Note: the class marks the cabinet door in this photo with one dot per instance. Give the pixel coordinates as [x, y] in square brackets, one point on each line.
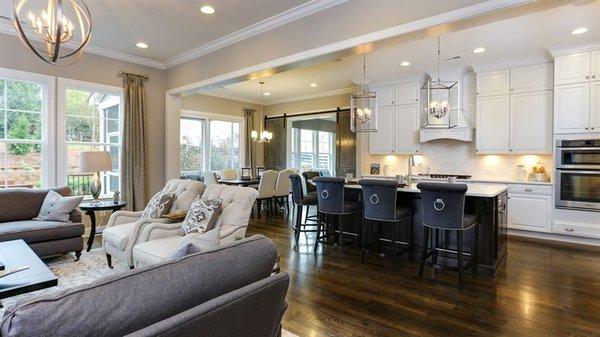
[571, 108]
[595, 66]
[407, 128]
[382, 141]
[407, 93]
[595, 106]
[492, 134]
[533, 78]
[385, 95]
[493, 83]
[531, 122]
[572, 68]
[530, 212]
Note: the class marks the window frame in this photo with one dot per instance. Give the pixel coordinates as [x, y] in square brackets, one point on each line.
[208, 117]
[48, 120]
[61, 154]
[294, 144]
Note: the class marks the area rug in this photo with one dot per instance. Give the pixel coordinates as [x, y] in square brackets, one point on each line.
[90, 267]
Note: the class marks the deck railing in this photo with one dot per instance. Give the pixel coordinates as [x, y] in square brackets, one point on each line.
[80, 184]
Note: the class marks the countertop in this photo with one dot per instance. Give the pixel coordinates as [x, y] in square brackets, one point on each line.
[467, 181]
[475, 189]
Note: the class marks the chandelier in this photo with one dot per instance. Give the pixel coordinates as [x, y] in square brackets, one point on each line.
[363, 106]
[47, 31]
[265, 136]
[441, 96]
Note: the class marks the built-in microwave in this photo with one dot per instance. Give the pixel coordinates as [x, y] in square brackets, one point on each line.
[577, 180]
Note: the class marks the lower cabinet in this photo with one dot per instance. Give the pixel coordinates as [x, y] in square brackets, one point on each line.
[530, 212]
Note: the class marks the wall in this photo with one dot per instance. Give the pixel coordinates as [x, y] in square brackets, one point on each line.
[98, 69]
[223, 106]
[314, 104]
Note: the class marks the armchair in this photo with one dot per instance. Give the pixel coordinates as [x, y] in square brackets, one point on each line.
[157, 241]
[124, 227]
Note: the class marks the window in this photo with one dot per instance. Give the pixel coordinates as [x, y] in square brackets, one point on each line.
[92, 117]
[209, 142]
[312, 150]
[23, 135]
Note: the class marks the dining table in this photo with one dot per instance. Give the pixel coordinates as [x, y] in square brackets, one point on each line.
[240, 182]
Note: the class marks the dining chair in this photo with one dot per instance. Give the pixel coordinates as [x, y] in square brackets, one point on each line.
[379, 207]
[283, 187]
[331, 202]
[266, 190]
[443, 208]
[229, 174]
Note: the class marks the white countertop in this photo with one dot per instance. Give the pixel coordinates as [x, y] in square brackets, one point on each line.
[467, 181]
[475, 189]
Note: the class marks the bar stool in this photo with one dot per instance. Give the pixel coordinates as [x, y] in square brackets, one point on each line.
[443, 210]
[300, 200]
[330, 197]
[379, 205]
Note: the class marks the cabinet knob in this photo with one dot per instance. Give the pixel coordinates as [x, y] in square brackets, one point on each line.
[528, 189]
[569, 229]
[593, 76]
[586, 128]
[587, 77]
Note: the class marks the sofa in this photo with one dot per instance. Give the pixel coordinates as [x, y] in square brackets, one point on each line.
[157, 241]
[124, 227]
[228, 291]
[46, 238]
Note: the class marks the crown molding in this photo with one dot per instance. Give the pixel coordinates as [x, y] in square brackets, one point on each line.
[559, 50]
[273, 22]
[511, 63]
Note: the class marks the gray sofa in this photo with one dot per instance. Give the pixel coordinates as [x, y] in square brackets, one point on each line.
[18, 206]
[228, 291]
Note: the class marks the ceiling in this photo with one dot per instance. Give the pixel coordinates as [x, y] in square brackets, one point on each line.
[523, 37]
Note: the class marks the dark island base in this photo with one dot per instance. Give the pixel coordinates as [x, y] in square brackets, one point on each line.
[491, 229]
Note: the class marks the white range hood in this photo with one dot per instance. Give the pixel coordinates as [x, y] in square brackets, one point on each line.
[464, 134]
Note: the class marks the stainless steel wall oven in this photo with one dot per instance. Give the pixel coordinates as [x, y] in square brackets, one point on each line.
[577, 180]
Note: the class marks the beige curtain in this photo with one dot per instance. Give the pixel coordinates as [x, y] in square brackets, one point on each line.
[250, 155]
[133, 153]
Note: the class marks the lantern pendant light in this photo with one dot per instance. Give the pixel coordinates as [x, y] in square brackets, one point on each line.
[264, 136]
[363, 107]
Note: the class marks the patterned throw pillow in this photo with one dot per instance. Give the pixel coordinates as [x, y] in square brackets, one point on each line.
[202, 216]
[159, 205]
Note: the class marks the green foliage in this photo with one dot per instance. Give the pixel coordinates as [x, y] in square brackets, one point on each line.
[190, 156]
[20, 130]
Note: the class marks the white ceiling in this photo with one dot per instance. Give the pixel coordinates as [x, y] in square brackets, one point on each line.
[526, 36]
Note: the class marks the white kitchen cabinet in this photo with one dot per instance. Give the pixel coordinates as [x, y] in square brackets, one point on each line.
[532, 78]
[492, 134]
[407, 128]
[595, 65]
[572, 68]
[385, 95]
[571, 108]
[382, 141]
[493, 83]
[595, 106]
[531, 128]
[530, 212]
[406, 93]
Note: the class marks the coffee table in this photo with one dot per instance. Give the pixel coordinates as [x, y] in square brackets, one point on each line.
[17, 253]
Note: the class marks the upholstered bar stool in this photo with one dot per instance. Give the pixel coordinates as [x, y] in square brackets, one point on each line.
[330, 197]
[379, 206]
[301, 200]
[310, 187]
[443, 210]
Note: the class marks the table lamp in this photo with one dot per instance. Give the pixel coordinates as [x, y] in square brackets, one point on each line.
[95, 162]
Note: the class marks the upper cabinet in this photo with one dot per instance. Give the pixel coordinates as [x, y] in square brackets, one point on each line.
[571, 108]
[493, 83]
[572, 68]
[406, 93]
[382, 141]
[385, 95]
[531, 78]
[531, 129]
[492, 124]
[407, 123]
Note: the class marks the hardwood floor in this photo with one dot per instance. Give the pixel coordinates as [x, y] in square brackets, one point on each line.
[543, 290]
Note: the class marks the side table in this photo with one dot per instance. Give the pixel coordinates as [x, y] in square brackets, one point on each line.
[90, 209]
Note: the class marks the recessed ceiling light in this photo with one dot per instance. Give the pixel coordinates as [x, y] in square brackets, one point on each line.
[478, 50]
[405, 63]
[206, 9]
[579, 30]
[267, 94]
[313, 85]
[142, 45]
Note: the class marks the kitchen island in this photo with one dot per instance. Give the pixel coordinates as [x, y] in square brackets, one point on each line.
[487, 201]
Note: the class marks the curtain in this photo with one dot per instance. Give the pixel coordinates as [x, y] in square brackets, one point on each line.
[250, 155]
[133, 152]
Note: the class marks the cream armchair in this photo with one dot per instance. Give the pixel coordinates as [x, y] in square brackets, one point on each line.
[157, 241]
[124, 227]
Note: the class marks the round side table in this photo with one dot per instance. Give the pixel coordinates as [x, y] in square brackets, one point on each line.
[90, 209]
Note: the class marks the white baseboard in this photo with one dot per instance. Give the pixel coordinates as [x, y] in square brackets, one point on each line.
[554, 237]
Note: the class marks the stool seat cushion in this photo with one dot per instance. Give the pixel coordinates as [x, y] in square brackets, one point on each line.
[352, 207]
[402, 212]
[469, 220]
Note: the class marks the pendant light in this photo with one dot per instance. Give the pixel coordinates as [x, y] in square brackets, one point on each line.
[363, 107]
[265, 136]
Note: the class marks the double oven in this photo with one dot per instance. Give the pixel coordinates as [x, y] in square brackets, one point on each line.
[577, 180]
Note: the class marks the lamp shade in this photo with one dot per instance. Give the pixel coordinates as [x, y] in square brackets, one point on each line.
[94, 161]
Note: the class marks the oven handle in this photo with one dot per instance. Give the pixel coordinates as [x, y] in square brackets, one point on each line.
[563, 149]
[577, 171]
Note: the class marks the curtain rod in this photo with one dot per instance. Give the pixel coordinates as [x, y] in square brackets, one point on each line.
[123, 72]
[307, 113]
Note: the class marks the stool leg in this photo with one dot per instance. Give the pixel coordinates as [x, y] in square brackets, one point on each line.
[363, 239]
[341, 228]
[435, 237]
[424, 249]
[298, 224]
[319, 225]
[459, 250]
[306, 215]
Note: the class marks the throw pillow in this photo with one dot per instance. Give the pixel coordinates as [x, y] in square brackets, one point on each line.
[57, 208]
[159, 205]
[202, 216]
[196, 243]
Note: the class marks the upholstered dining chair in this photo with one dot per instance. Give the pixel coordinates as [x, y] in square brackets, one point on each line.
[283, 187]
[266, 190]
[229, 174]
[124, 227]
